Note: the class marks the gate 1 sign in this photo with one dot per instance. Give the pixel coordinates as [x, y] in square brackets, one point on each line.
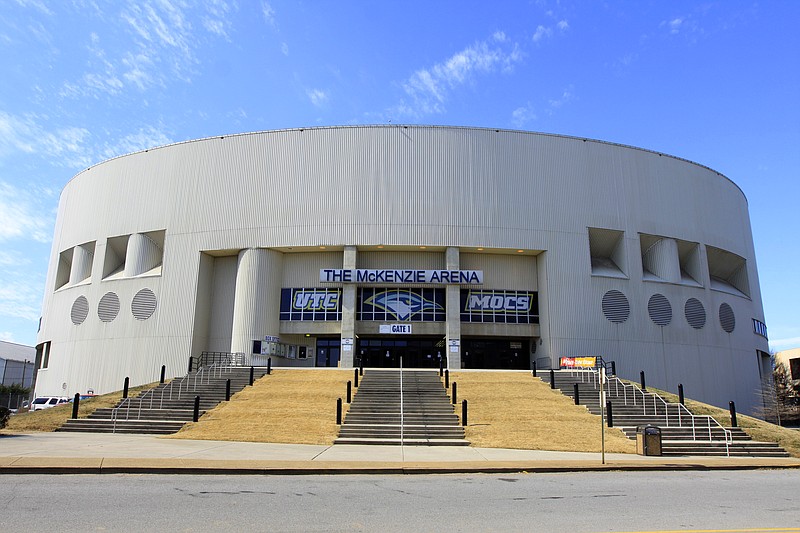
[401, 329]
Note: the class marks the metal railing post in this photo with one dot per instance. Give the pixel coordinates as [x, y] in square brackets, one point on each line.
[196, 413]
[76, 402]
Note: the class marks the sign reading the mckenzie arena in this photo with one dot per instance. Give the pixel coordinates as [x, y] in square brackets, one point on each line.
[363, 275]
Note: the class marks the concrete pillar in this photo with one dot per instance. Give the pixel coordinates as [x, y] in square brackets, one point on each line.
[258, 289]
[346, 357]
[143, 254]
[81, 268]
[453, 303]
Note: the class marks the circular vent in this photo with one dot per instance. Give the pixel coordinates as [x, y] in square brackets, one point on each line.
[108, 308]
[80, 310]
[144, 304]
[695, 313]
[726, 318]
[659, 309]
[616, 307]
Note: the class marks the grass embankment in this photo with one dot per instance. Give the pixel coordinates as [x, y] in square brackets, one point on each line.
[515, 410]
[54, 417]
[759, 430]
[290, 406]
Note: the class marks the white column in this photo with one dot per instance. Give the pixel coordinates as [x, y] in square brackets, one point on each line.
[143, 254]
[453, 303]
[256, 307]
[81, 264]
[346, 358]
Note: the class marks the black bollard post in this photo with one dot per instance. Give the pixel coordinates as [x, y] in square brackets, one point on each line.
[227, 390]
[355, 377]
[441, 367]
[680, 393]
[641, 380]
[552, 379]
[613, 368]
[577, 394]
[609, 414]
[455, 392]
[338, 411]
[269, 366]
[191, 364]
[125, 387]
[361, 367]
[733, 414]
[252, 372]
[447, 378]
[533, 368]
[196, 414]
[464, 413]
[163, 373]
[75, 404]
[349, 391]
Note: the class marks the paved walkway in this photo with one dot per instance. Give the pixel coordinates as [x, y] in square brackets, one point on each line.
[103, 453]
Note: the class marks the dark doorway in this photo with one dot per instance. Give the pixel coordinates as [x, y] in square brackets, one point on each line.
[328, 351]
[417, 352]
[511, 354]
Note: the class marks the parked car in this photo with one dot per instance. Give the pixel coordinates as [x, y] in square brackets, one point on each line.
[43, 402]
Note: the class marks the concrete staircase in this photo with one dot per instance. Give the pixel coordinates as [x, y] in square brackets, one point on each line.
[166, 408]
[678, 435]
[428, 416]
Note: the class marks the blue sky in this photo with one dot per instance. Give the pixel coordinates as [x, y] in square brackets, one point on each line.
[714, 82]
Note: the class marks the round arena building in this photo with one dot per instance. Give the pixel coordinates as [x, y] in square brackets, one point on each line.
[341, 246]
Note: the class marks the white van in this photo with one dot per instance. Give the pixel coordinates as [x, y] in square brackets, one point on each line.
[43, 402]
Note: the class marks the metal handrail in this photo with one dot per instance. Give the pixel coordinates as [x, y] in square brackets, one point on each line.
[185, 384]
[680, 411]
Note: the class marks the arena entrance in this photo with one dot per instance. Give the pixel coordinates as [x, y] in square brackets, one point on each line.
[509, 354]
[385, 352]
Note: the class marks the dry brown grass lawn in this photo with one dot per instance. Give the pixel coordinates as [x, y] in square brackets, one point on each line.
[290, 406]
[54, 417]
[516, 410]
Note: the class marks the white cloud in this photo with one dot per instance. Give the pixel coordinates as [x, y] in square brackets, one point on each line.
[429, 88]
[317, 97]
[24, 214]
[36, 4]
[146, 138]
[285, 49]
[20, 296]
[674, 25]
[541, 33]
[784, 344]
[566, 96]
[523, 115]
[7, 336]
[66, 146]
[563, 25]
[268, 12]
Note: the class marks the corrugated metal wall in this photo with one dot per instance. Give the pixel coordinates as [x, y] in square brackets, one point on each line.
[403, 187]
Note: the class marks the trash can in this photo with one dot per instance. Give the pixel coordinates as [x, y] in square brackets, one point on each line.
[648, 440]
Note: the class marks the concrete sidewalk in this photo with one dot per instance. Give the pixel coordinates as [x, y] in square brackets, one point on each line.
[92, 453]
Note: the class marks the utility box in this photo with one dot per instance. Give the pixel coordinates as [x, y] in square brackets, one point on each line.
[648, 440]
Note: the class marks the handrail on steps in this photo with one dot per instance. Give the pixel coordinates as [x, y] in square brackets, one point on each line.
[592, 375]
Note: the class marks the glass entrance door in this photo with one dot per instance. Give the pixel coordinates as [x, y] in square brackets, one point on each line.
[385, 352]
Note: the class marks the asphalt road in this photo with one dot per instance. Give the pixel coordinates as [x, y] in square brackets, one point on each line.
[582, 502]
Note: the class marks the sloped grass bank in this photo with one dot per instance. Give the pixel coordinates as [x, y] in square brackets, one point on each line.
[515, 410]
